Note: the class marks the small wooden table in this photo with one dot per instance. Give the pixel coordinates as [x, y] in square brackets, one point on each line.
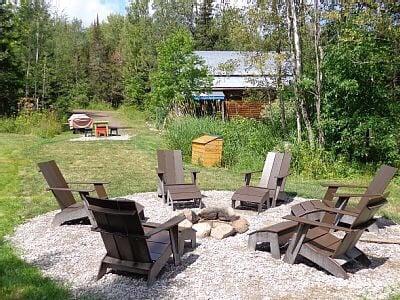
[100, 128]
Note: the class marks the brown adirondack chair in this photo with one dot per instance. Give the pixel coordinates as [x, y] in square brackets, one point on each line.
[376, 187]
[71, 210]
[171, 182]
[314, 241]
[130, 245]
[271, 186]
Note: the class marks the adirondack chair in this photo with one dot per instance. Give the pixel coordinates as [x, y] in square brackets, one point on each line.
[376, 187]
[171, 182]
[130, 245]
[271, 186]
[70, 209]
[314, 241]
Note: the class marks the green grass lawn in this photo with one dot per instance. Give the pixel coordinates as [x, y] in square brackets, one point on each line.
[128, 165]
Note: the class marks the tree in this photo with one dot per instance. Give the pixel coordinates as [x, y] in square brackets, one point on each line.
[138, 53]
[294, 9]
[10, 71]
[205, 33]
[361, 86]
[179, 74]
[99, 74]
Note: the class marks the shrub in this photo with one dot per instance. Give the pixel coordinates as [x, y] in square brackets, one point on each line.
[44, 124]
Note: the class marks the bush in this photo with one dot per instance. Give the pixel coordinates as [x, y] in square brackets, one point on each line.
[44, 124]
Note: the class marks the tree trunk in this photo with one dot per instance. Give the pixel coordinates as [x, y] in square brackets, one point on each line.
[298, 74]
[36, 65]
[44, 81]
[279, 68]
[289, 21]
[318, 74]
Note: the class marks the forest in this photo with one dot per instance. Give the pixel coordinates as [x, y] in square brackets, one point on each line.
[345, 55]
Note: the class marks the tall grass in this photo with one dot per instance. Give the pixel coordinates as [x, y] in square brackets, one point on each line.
[44, 124]
[246, 143]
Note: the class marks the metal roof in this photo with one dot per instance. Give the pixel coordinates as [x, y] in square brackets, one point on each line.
[242, 70]
[244, 63]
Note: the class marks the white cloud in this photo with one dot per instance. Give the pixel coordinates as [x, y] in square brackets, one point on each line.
[86, 10]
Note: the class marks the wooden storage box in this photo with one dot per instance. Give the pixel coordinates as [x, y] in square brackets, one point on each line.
[207, 151]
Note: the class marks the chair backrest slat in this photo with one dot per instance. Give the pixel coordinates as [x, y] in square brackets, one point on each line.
[276, 163]
[380, 181]
[368, 210]
[121, 229]
[285, 167]
[55, 179]
[266, 174]
[170, 162]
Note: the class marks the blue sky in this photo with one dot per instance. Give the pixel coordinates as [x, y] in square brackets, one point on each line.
[86, 10]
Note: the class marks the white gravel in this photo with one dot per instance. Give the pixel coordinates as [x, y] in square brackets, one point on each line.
[103, 138]
[214, 270]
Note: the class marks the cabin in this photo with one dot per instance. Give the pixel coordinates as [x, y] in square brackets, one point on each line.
[239, 77]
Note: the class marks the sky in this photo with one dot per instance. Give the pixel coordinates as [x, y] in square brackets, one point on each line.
[86, 10]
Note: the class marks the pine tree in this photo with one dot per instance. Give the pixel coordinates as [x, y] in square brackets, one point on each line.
[98, 64]
[205, 34]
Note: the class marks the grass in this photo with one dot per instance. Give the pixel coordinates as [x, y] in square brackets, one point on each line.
[128, 165]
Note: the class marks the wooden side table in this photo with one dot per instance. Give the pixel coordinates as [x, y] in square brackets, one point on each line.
[100, 128]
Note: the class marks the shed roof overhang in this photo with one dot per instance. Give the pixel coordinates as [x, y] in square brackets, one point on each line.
[215, 95]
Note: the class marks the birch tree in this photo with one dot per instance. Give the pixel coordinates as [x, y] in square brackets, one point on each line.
[301, 106]
[318, 73]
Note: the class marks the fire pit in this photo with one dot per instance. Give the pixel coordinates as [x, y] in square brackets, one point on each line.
[217, 222]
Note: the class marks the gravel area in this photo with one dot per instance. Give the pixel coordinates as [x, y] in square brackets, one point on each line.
[216, 269]
[103, 138]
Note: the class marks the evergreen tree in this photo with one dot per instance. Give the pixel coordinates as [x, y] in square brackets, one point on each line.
[99, 74]
[205, 32]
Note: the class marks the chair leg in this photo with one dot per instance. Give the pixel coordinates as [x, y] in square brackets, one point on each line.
[296, 243]
[252, 242]
[364, 260]
[274, 246]
[193, 241]
[151, 277]
[260, 205]
[233, 203]
[102, 270]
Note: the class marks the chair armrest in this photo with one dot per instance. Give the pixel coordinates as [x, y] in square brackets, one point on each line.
[336, 184]
[194, 171]
[160, 172]
[252, 172]
[332, 210]
[89, 182]
[71, 190]
[150, 224]
[355, 195]
[316, 223]
[167, 225]
[247, 177]
[283, 175]
[194, 175]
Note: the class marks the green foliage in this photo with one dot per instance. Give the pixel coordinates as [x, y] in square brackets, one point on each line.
[179, 73]
[246, 143]
[43, 124]
[361, 106]
[10, 71]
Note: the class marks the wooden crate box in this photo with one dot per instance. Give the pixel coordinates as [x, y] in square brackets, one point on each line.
[207, 151]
